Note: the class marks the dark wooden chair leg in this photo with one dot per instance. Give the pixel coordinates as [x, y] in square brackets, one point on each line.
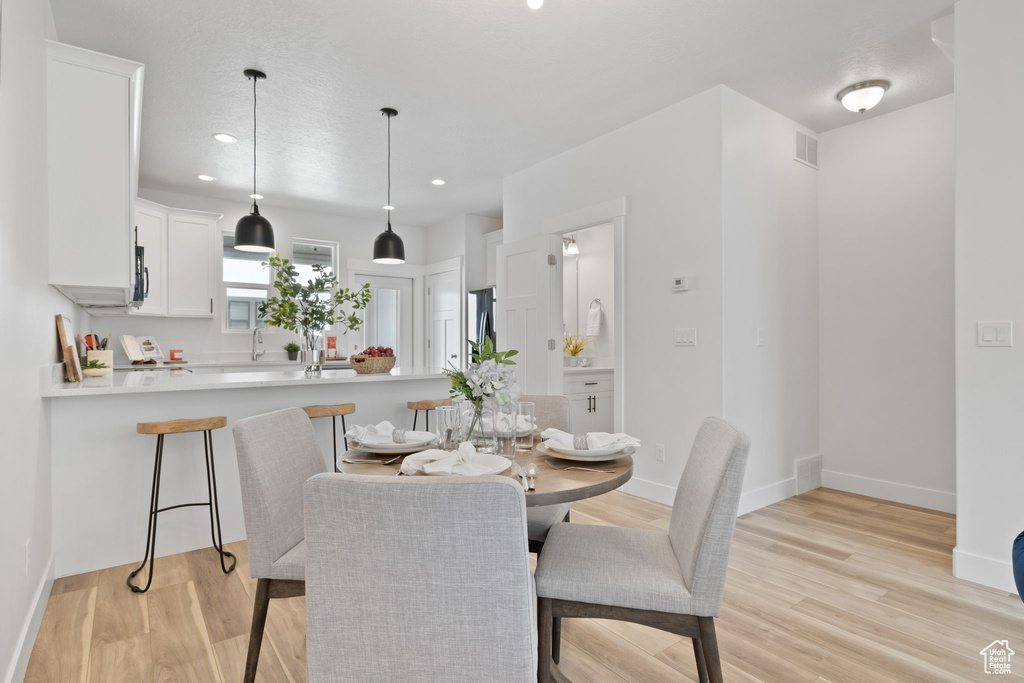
[259, 621]
[709, 645]
[556, 639]
[543, 640]
[698, 655]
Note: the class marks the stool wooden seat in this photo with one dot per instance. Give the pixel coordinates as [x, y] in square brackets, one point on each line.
[333, 411]
[206, 425]
[427, 406]
[182, 426]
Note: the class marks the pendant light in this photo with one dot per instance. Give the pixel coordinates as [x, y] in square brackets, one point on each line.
[254, 232]
[388, 247]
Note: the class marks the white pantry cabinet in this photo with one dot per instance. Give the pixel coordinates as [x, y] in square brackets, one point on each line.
[94, 107]
[591, 404]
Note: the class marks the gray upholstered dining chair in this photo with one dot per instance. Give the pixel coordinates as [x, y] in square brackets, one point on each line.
[418, 579]
[277, 452]
[671, 580]
[549, 412]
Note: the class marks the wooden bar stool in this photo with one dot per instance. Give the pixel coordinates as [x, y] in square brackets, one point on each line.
[206, 426]
[333, 412]
[427, 406]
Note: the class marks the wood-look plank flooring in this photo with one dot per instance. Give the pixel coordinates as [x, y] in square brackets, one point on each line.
[826, 587]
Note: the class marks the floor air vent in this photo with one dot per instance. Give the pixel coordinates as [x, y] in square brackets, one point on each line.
[806, 150]
[808, 474]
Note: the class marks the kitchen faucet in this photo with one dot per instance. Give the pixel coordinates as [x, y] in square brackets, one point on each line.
[257, 338]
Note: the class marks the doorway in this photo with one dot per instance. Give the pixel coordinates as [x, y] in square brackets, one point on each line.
[388, 317]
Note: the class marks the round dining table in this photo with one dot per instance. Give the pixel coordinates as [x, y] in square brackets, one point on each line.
[552, 485]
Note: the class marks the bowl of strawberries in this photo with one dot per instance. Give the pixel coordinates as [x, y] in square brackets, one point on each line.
[374, 359]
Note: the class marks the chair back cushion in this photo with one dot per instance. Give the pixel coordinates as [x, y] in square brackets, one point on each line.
[704, 512]
[418, 579]
[551, 412]
[277, 452]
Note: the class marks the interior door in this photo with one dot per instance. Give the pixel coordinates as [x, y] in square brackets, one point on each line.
[444, 301]
[388, 317]
[529, 310]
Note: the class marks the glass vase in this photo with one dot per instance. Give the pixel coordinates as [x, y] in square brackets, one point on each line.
[313, 352]
[480, 431]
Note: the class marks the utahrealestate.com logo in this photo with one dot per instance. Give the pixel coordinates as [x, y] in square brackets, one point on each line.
[997, 657]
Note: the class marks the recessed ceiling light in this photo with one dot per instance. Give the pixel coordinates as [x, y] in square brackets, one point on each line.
[256, 196]
[534, 4]
[205, 177]
[860, 97]
[224, 137]
[388, 207]
[437, 181]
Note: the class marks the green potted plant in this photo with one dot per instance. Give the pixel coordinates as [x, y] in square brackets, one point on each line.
[293, 350]
[311, 308]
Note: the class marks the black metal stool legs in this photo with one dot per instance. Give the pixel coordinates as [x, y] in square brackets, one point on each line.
[154, 502]
[334, 435]
[415, 418]
[211, 483]
[155, 509]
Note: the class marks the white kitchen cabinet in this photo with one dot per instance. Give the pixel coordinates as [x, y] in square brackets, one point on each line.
[94, 106]
[151, 234]
[191, 247]
[591, 400]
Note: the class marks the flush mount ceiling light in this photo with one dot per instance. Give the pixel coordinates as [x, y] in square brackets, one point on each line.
[388, 248]
[206, 178]
[224, 137]
[437, 181]
[860, 97]
[569, 246]
[534, 4]
[254, 232]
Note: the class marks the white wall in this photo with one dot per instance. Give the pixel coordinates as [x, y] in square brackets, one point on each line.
[476, 250]
[989, 284]
[770, 281]
[669, 166]
[713, 194]
[207, 336]
[886, 269]
[447, 239]
[28, 335]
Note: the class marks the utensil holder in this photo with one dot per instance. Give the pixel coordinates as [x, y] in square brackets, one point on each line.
[105, 357]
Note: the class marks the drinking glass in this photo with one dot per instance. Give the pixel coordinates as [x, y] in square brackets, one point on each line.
[505, 419]
[447, 420]
[527, 423]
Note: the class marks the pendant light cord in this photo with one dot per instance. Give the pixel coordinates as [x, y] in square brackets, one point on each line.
[389, 171]
[254, 80]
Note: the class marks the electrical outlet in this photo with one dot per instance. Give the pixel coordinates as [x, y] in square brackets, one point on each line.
[28, 554]
[659, 452]
[684, 336]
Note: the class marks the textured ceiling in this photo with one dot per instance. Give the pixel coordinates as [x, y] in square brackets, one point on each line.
[484, 87]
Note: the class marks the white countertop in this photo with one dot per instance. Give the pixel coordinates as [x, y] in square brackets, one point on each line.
[152, 381]
[579, 371]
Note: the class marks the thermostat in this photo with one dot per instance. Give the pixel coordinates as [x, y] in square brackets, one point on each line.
[680, 284]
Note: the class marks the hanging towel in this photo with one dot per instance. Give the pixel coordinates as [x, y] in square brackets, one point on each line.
[594, 320]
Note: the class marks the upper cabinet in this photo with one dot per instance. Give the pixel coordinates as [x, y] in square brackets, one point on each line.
[93, 113]
[180, 248]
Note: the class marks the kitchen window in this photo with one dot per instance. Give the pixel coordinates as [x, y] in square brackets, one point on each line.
[246, 283]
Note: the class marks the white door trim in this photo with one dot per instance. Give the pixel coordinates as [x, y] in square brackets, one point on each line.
[357, 267]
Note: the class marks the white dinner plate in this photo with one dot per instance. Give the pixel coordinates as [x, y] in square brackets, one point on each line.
[585, 456]
[495, 464]
[413, 441]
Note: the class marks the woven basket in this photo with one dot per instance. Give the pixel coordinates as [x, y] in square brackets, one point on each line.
[368, 365]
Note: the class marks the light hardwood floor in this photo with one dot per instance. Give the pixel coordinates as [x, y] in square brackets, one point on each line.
[823, 587]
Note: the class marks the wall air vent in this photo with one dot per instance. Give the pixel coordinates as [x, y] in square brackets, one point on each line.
[806, 150]
[808, 474]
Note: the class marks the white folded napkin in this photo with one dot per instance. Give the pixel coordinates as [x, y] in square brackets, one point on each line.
[435, 461]
[595, 441]
[371, 435]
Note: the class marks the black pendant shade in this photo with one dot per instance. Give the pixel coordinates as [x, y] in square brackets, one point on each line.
[388, 248]
[254, 232]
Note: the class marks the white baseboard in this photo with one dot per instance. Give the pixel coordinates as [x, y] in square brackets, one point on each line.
[27, 637]
[987, 571]
[749, 501]
[766, 495]
[890, 490]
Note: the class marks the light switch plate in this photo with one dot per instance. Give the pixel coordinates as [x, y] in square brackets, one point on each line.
[685, 336]
[995, 333]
